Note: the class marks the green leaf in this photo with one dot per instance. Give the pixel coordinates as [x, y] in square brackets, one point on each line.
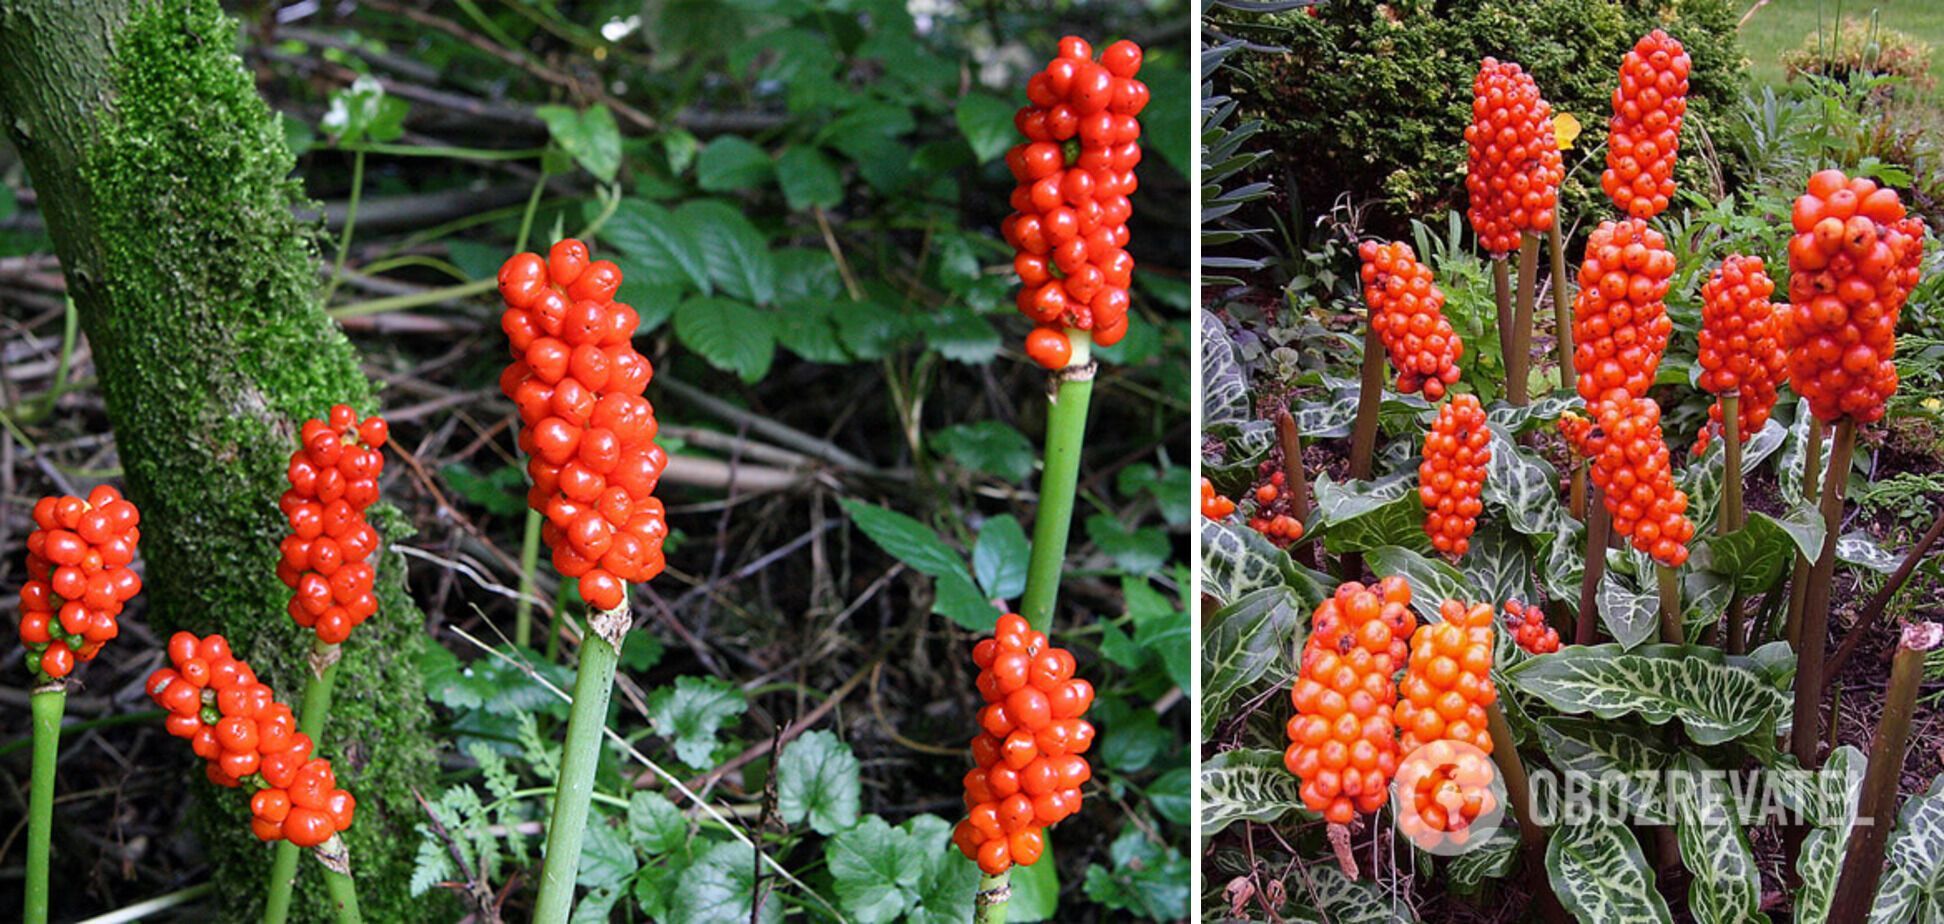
[1136, 551]
[1498, 565]
[875, 876]
[906, 540]
[1172, 795]
[1702, 478]
[1616, 762]
[808, 178]
[1913, 872]
[736, 254]
[816, 779]
[987, 123]
[1727, 885]
[691, 712]
[1357, 516]
[963, 337]
[1254, 638]
[1757, 555]
[1432, 582]
[1134, 741]
[1630, 614]
[807, 329]
[957, 599]
[655, 825]
[1248, 784]
[607, 859]
[591, 137]
[1496, 858]
[1600, 875]
[1860, 549]
[989, 446]
[1160, 627]
[1716, 703]
[364, 111]
[658, 245]
[730, 162]
[1340, 900]
[729, 335]
[1145, 878]
[1036, 889]
[1237, 560]
[1167, 121]
[1830, 808]
[1520, 485]
[721, 886]
[999, 557]
[502, 492]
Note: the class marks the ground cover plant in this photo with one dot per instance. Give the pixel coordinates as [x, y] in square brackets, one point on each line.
[1622, 536]
[465, 361]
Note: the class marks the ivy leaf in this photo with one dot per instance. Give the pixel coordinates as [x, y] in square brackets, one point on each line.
[720, 886]
[731, 336]
[730, 162]
[906, 540]
[816, 779]
[591, 137]
[1249, 784]
[808, 178]
[945, 889]
[1000, 556]
[874, 871]
[963, 337]
[691, 712]
[1145, 878]
[655, 825]
[986, 121]
[989, 446]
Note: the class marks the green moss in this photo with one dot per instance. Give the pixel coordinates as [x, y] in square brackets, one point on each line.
[212, 346]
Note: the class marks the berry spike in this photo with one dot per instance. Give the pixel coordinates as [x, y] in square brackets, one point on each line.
[1636, 480]
[1739, 347]
[1644, 133]
[1407, 315]
[326, 559]
[78, 578]
[1343, 737]
[1456, 451]
[1514, 168]
[1620, 323]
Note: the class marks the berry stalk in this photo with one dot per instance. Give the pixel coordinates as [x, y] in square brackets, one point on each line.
[1066, 430]
[1296, 476]
[1502, 301]
[1672, 631]
[1863, 864]
[593, 683]
[1815, 606]
[1587, 631]
[1731, 511]
[48, 703]
[337, 880]
[310, 721]
[1518, 367]
[990, 901]
[1562, 308]
[1812, 471]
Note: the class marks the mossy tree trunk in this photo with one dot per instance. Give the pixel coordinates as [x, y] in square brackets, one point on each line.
[165, 183]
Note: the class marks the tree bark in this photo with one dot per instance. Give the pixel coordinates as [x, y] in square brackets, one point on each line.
[165, 183]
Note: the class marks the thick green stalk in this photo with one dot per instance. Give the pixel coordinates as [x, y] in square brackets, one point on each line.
[48, 703]
[338, 883]
[1815, 605]
[1518, 366]
[529, 563]
[315, 713]
[1066, 429]
[1562, 305]
[350, 225]
[1863, 860]
[593, 683]
[1731, 510]
[989, 903]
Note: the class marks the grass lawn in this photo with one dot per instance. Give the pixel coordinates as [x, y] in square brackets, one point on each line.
[1783, 24]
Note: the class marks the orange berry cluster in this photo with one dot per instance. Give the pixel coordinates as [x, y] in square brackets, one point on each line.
[1272, 517]
[1852, 263]
[1456, 451]
[77, 578]
[1530, 629]
[1407, 314]
[588, 433]
[1739, 348]
[1343, 740]
[1448, 683]
[1028, 769]
[325, 560]
[1645, 131]
[1515, 168]
[1214, 506]
[234, 722]
[1074, 174]
[1632, 469]
[1620, 321]
[1446, 801]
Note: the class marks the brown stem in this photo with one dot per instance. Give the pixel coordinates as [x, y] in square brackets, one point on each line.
[1596, 543]
[1576, 492]
[1518, 791]
[1863, 858]
[1672, 631]
[1877, 603]
[1295, 477]
[1799, 579]
[1518, 369]
[1815, 607]
[1562, 303]
[1502, 300]
[1732, 515]
[1363, 434]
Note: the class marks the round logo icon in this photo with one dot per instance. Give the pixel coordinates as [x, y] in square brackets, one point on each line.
[1447, 797]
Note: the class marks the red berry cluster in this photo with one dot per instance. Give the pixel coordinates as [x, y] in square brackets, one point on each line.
[1448, 684]
[1029, 769]
[1074, 174]
[1852, 263]
[1739, 348]
[1645, 131]
[1530, 629]
[1620, 321]
[1213, 505]
[1452, 475]
[1407, 314]
[1272, 517]
[588, 433]
[1515, 167]
[77, 578]
[1632, 469]
[234, 722]
[333, 481]
[1343, 740]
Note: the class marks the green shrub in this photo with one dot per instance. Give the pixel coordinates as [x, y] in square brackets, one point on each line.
[1373, 98]
[1861, 46]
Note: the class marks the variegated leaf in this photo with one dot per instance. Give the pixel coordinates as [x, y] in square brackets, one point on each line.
[1498, 565]
[1247, 641]
[1356, 516]
[1913, 871]
[1543, 410]
[1565, 561]
[1599, 874]
[1341, 502]
[1831, 811]
[1493, 859]
[1794, 457]
[1250, 784]
[1727, 886]
[1630, 615]
[1323, 891]
[1609, 753]
[1225, 385]
[1702, 478]
[1432, 582]
[1704, 598]
[1715, 702]
[1328, 418]
[1859, 549]
[1237, 560]
[1757, 555]
[1522, 486]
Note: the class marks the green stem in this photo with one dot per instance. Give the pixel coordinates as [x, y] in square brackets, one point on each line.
[444, 151]
[413, 299]
[1562, 304]
[1518, 369]
[526, 217]
[1672, 631]
[344, 896]
[990, 901]
[1815, 605]
[529, 563]
[1731, 510]
[47, 704]
[593, 683]
[350, 225]
[315, 714]
[153, 906]
[39, 409]
[1066, 429]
